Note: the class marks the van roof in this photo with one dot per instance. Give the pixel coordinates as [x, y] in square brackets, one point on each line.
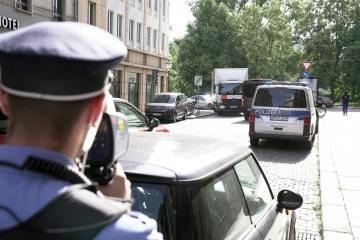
[290, 86]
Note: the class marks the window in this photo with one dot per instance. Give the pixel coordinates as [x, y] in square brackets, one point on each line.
[140, 4]
[135, 118]
[163, 41]
[138, 32]
[58, 10]
[257, 193]
[131, 30]
[150, 88]
[92, 13]
[110, 22]
[119, 26]
[133, 88]
[149, 4]
[154, 38]
[155, 5]
[219, 208]
[164, 7]
[148, 36]
[23, 5]
[280, 97]
[116, 85]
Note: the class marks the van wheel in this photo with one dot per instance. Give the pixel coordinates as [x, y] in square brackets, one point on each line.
[254, 142]
[317, 127]
[246, 116]
[309, 144]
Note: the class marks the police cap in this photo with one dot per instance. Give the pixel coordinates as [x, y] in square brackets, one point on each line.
[58, 61]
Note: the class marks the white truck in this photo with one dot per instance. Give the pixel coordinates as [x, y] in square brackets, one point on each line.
[228, 89]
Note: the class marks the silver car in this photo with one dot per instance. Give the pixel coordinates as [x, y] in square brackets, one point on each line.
[203, 101]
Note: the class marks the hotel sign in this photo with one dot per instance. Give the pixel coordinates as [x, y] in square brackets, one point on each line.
[9, 23]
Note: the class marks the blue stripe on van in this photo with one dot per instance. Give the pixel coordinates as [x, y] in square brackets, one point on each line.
[280, 112]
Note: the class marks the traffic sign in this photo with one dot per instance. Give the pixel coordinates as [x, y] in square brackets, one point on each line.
[306, 65]
[198, 80]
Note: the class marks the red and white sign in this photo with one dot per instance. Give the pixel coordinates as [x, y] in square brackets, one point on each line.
[306, 65]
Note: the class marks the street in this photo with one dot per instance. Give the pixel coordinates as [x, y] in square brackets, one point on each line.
[288, 165]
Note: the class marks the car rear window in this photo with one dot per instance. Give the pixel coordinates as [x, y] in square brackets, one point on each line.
[230, 88]
[164, 98]
[280, 97]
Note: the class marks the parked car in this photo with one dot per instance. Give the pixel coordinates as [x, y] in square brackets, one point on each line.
[325, 101]
[203, 101]
[206, 189]
[248, 90]
[283, 111]
[168, 106]
[3, 127]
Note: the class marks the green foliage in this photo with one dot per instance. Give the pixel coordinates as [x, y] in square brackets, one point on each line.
[211, 42]
[271, 38]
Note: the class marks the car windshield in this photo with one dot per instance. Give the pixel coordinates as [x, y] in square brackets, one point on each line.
[230, 88]
[280, 97]
[164, 98]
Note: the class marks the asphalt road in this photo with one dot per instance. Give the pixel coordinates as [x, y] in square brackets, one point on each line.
[287, 165]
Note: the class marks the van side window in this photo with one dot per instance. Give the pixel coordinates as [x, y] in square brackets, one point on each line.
[220, 208]
[256, 190]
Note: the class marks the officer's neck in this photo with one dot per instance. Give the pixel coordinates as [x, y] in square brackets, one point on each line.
[45, 141]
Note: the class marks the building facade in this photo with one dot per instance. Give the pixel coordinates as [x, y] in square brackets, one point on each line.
[143, 25]
[15, 14]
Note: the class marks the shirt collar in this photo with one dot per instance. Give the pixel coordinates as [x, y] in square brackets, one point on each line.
[18, 154]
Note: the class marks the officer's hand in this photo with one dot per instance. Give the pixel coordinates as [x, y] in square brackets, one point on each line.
[119, 187]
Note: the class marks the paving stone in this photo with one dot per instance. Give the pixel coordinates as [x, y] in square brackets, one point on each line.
[332, 196]
[351, 199]
[356, 232]
[337, 236]
[349, 183]
[335, 218]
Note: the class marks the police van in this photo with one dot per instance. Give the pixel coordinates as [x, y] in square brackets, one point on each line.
[283, 111]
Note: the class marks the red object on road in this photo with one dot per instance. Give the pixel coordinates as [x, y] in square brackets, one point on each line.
[160, 128]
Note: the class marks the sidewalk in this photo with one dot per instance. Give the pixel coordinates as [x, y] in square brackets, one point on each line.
[203, 113]
[340, 175]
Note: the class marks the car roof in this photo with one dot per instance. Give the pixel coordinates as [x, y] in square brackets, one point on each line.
[179, 158]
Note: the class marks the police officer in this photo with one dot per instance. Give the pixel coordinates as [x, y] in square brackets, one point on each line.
[52, 88]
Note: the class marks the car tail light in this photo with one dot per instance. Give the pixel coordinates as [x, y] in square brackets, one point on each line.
[307, 123]
[252, 118]
[223, 97]
[252, 123]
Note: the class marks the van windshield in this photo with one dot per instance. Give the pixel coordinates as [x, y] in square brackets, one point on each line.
[230, 89]
[280, 97]
[249, 90]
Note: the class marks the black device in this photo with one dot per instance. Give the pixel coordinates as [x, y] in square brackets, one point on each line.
[111, 142]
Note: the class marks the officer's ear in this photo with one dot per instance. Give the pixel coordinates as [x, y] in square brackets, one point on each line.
[97, 106]
[4, 102]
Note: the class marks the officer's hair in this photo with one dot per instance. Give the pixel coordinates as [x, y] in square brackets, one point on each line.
[58, 118]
